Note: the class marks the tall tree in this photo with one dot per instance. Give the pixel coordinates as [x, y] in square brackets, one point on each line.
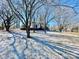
[46, 16]
[25, 10]
[7, 16]
[63, 12]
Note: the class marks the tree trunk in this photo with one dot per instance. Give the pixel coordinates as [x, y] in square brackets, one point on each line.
[28, 31]
[2, 26]
[45, 29]
[34, 27]
[7, 24]
[60, 30]
[7, 28]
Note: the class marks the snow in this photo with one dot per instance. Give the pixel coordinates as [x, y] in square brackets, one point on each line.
[15, 45]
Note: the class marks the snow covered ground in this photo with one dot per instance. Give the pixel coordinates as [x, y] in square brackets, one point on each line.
[15, 45]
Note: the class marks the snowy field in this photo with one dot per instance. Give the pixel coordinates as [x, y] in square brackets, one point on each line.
[15, 45]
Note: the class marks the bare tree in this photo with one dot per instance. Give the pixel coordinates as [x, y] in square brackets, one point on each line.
[63, 13]
[64, 17]
[26, 11]
[46, 16]
[7, 16]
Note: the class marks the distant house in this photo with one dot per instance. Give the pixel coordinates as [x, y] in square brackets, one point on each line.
[37, 25]
[73, 28]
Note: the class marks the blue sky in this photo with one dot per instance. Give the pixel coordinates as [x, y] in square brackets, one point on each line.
[72, 3]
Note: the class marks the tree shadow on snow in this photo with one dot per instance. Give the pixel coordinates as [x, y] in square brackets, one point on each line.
[57, 48]
[62, 50]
